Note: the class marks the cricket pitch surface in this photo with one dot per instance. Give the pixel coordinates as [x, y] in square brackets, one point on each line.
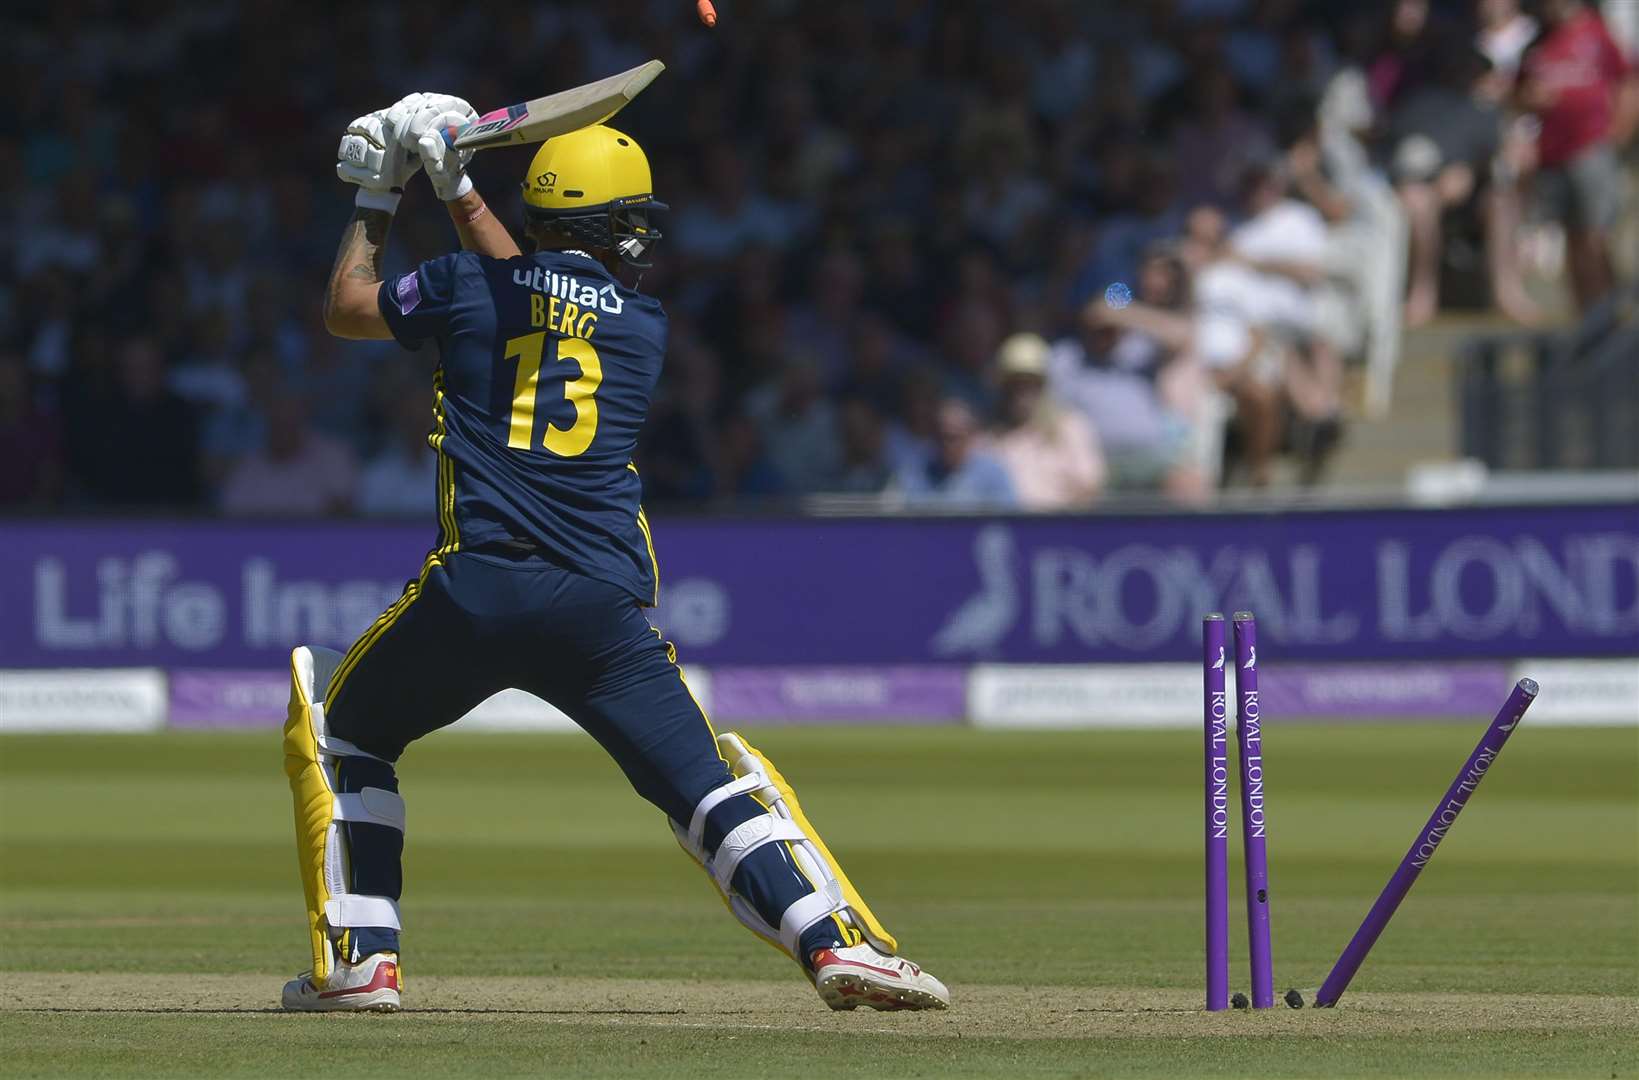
[149, 912]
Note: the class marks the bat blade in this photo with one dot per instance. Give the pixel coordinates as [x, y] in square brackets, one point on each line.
[556, 114]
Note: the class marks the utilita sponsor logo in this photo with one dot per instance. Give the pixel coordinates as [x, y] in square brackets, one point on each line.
[1454, 806]
[1220, 767]
[1254, 761]
[606, 299]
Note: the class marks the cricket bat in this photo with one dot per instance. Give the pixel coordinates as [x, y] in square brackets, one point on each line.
[556, 114]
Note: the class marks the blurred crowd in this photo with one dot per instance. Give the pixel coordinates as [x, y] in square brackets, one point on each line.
[940, 254]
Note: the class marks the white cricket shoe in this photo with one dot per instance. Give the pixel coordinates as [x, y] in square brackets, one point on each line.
[859, 975]
[371, 985]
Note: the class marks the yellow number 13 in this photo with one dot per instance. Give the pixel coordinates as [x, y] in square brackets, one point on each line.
[565, 442]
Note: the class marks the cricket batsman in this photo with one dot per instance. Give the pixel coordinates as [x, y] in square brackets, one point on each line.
[543, 565]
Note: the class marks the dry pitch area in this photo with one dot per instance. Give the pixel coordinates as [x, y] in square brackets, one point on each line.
[147, 915]
[98, 1025]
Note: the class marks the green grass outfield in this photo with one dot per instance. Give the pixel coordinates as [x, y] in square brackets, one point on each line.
[149, 911]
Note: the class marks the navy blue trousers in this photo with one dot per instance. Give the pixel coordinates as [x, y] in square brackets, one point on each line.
[477, 624]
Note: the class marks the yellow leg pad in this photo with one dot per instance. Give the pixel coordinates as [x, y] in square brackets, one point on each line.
[312, 795]
[729, 744]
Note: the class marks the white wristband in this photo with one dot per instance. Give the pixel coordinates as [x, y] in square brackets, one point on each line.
[461, 189]
[378, 200]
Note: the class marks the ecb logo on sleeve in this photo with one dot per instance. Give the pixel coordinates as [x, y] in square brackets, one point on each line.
[408, 291]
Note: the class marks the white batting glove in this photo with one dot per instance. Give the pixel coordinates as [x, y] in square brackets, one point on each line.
[372, 155]
[424, 136]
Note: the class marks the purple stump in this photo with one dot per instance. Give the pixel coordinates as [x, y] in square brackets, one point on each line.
[1249, 740]
[1215, 711]
[1422, 850]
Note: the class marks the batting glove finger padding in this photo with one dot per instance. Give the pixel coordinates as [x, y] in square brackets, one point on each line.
[446, 168]
[371, 157]
[435, 112]
[420, 131]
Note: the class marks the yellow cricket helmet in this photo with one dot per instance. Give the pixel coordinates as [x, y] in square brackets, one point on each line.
[594, 186]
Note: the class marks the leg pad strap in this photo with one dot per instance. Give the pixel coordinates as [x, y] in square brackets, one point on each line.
[817, 905]
[350, 909]
[378, 806]
[746, 838]
[714, 798]
[784, 822]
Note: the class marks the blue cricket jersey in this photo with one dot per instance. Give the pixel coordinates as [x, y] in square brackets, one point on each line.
[546, 370]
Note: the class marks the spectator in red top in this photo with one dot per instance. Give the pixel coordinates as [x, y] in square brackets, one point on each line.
[1586, 95]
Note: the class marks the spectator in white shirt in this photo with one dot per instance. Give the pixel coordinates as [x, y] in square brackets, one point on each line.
[1283, 242]
[1504, 33]
[1222, 332]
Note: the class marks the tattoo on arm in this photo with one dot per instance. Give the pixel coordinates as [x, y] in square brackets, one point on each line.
[360, 254]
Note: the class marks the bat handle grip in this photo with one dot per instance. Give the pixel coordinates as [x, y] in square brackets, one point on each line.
[449, 134]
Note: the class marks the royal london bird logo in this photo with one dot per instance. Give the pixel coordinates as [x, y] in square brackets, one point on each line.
[988, 616]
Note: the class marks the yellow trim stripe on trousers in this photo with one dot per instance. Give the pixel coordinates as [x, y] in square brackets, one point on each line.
[648, 538]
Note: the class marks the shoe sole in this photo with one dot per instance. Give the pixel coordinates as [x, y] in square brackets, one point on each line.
[846, 991]
[377, 1001]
